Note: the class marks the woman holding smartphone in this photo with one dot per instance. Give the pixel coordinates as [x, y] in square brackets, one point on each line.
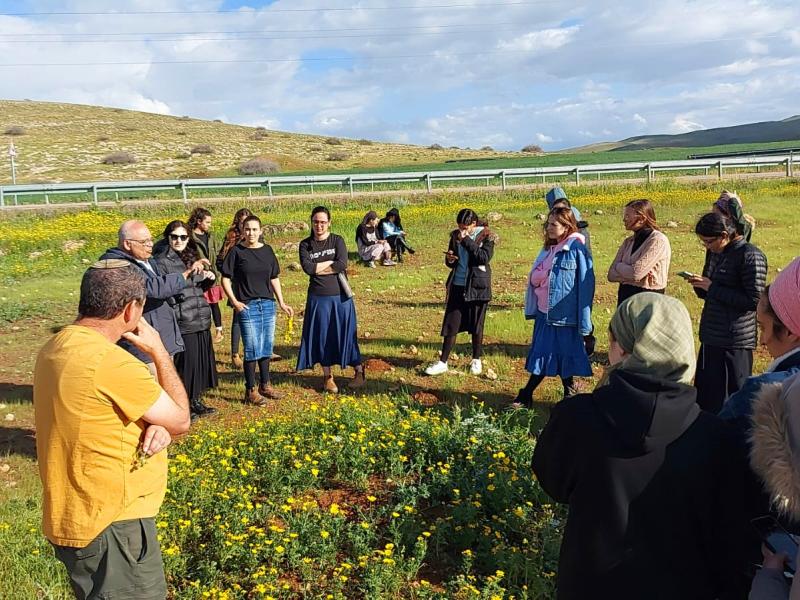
[732, 282]
[469, 287]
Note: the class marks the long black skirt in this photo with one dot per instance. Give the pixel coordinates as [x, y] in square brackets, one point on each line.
[197, 364]
[460, 315]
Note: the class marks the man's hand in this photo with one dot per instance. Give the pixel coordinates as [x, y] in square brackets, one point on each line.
[145, 338]
[156, 439]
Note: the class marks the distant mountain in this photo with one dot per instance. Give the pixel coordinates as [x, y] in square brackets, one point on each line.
[751, 133]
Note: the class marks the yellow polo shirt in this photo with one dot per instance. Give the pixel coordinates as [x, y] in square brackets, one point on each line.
[89, 396]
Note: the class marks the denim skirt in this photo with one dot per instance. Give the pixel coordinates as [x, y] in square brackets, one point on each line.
[329, 333]
[556, 351]
[257, 323]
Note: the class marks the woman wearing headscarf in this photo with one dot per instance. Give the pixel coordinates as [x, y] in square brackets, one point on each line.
[732, 282]
[370, 246]
[729, 205]
[651, 481]
[642, 262]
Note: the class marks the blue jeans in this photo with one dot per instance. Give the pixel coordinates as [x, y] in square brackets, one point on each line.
[257, 322]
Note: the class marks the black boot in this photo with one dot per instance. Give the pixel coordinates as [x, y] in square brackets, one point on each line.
[524, 399]
[201, 409]
[570, 389]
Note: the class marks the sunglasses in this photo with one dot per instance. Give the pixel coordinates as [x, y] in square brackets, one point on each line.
[175, 237]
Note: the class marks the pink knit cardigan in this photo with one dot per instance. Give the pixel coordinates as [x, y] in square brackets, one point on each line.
[648, 267]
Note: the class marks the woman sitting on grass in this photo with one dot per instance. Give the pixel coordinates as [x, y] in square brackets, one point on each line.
[469, 287]
[559, 298]
[652, 482]
[391, 230]
[370, 246]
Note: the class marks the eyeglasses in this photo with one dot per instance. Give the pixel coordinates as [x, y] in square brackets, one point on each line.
[175, 237]
[708, 242]
[147, 242]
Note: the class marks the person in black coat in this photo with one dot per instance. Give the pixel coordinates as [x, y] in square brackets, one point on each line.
[197, 363]
[135, 244]
[652, 482]
[469, 287]
[733, 280]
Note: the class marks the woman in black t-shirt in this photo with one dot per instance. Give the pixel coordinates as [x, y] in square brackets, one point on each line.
[250, 279]
[329, 325]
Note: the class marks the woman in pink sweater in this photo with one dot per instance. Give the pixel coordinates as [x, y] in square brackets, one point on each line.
[642, 262]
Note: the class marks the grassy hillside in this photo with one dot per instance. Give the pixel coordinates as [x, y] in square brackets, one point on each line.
[67, 142]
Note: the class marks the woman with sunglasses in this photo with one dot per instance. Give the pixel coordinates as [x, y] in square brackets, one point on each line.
[329, 325]
[196, 364]
[732, 282]
[250, 279]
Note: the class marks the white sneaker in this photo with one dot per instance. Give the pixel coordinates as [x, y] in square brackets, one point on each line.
[436, 368]
[371, 264]
[476, 368]
[388, 262]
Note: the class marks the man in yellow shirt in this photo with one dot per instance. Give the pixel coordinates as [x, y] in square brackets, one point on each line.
[102, 423]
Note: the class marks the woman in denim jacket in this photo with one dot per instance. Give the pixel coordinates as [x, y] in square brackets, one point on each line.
[559, 298]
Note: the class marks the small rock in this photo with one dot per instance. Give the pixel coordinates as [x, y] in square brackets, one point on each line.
[10, 417]
[672, 224]
[2, 406]
[290, 246]
[295, 266]
[5, 468]
[494, 216]
[413, 350]
[70, 246]
[367, 334]
[421, 338]
[491, 375]
[541, 217]
[35, 254]
[599, 212]
[454, 356]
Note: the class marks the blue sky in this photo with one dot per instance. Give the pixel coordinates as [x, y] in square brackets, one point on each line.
[503, 73]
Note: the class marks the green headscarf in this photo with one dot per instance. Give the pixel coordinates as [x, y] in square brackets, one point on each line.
[656, 332]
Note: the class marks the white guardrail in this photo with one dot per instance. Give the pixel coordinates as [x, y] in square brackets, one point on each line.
[9, 194]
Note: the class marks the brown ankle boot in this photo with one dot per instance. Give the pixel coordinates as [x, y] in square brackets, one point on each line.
[253, 397]
[358, 380]
[270, 392]
[330, 385]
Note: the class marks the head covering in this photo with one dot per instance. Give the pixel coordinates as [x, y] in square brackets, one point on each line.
[368, 217]
[784, 296]
[554, 195]
[656, 332]
[731, 205]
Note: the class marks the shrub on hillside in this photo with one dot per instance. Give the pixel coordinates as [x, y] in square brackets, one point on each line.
[435, 147]
[183, 155]
[203, 149]
[316, 148]
[104, 138]
[258, 166]
[337, 156]
[15, 130]
[332, 141]
[119, 158]
[533, 148]
[259, 134]
[365, 142]
[487, 149]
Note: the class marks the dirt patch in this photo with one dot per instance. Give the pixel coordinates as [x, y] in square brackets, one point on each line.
[376, 365]
[425, 398]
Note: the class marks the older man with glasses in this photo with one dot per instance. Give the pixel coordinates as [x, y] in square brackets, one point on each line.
[135, 245]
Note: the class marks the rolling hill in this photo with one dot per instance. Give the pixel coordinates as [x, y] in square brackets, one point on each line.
[68, 142]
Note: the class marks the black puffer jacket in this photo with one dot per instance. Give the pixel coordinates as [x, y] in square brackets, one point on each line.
[191, 309]
[738, 276]
[479, 274]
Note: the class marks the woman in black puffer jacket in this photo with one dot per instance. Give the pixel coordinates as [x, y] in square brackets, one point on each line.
[733, 279]
[197, 363]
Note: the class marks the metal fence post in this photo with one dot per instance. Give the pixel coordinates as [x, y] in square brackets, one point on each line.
[2, 197]
[350, 183]
[503, 179]
[719, 170]
[577, 175]
[428, 180]
[94, 194]
[649, 173]
[789, 164]
[183, 193]
[269, 187]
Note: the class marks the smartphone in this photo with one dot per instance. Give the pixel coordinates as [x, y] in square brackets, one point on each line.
[777, 539]
[686, 274]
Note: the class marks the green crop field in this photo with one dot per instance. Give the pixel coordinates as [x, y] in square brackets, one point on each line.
[417, 487]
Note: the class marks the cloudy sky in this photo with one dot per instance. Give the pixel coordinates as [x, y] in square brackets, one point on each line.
[503, 73]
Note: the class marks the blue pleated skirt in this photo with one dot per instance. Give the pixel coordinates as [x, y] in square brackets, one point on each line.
[257, 323]
[556, 351]
[329, 333]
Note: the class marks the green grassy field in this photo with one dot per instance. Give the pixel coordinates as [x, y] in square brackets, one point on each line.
[408, 442]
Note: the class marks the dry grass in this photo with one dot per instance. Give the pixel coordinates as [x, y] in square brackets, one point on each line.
[61, 145]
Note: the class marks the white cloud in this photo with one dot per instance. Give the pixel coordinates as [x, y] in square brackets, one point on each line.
[639, 119]
[539, 41]
[682, 124]
[544, 139]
